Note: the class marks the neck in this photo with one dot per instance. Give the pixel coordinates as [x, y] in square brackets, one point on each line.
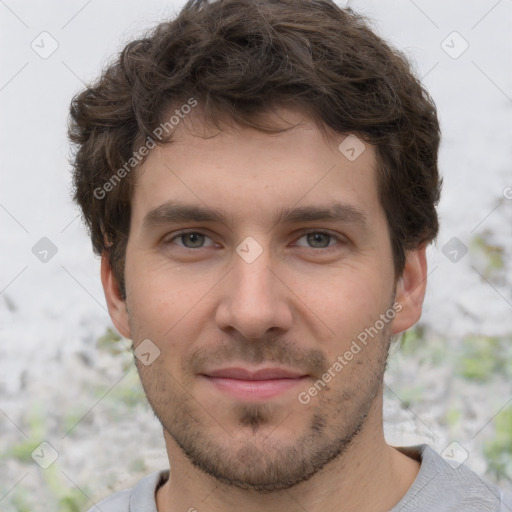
[370, 476]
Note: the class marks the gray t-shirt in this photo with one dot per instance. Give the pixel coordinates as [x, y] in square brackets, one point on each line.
[437, 488]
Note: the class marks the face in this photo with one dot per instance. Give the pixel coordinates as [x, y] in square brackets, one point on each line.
[255, 265]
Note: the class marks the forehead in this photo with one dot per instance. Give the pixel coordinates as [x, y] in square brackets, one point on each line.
[245, 173]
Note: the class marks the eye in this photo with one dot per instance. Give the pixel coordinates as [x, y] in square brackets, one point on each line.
[319, 239]
[190, 240]
[315, 240]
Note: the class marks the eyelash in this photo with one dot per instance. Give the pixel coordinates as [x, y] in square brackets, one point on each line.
[329, 248]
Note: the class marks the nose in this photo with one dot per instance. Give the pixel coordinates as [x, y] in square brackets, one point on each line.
[254, 301]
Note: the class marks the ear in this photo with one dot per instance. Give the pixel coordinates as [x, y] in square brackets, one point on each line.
[115, 302]
[410, 290]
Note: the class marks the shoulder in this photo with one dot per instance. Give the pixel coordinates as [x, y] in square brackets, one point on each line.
[444, 485]
[118, 502]
[140, 498]
[505, 502]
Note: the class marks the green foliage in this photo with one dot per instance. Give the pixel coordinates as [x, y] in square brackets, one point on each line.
[138, 465]
[70, 420]
[109, 342]
[424, 346]
[54, 483]
[411, 395]
[116, 346]
[73, 501]
[452, 417]
[482, 358]
[36, 428]
[494, 253]
[498, 451]
[412, 340]
[488, 258]
[23, 451]
[129, 391]
[20, 501]
[69, 499]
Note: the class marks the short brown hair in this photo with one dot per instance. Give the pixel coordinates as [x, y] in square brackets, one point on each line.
[239, 58]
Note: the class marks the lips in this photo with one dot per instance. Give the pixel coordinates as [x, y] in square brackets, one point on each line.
[254, 385]
[260, 374]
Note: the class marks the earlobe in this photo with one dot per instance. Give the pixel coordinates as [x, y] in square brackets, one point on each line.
[410, 290]
[115, 302]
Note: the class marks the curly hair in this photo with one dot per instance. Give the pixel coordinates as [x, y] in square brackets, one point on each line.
[241, 58]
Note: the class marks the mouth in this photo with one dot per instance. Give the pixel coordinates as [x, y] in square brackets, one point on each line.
[254, 385]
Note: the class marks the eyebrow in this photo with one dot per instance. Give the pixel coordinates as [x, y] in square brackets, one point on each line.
[337, 212]
[171, 212]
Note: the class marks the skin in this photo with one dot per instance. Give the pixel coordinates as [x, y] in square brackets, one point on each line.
[299, 304]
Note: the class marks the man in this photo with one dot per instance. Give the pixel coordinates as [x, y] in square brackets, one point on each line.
[260, 178]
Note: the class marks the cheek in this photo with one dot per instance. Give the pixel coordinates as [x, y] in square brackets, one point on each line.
[160, 290]
[155, 306]
[345, 299]
[171, 309]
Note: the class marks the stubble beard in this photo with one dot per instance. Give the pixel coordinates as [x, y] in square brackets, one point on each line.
[249, 457]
